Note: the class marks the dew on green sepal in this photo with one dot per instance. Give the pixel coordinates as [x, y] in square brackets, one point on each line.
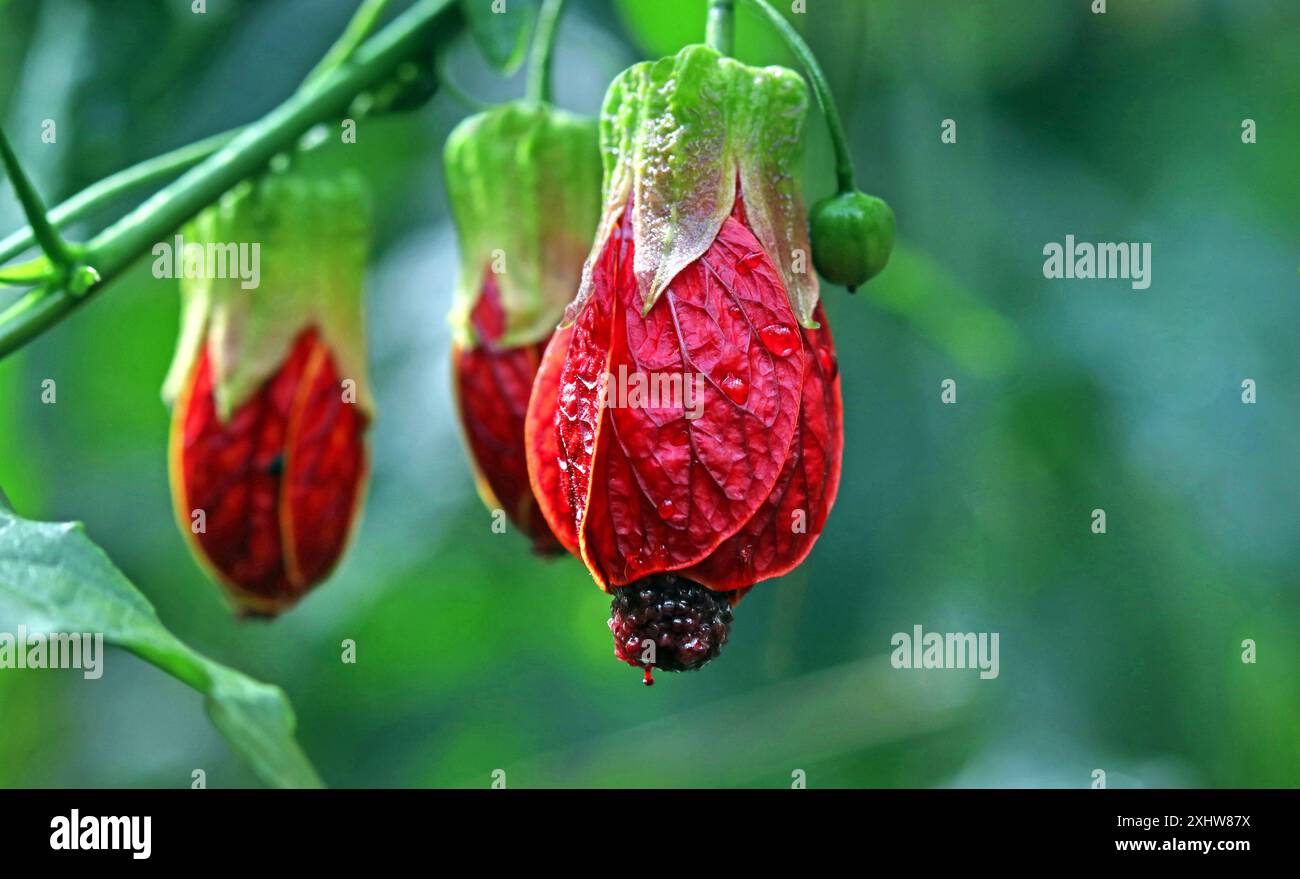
[852, 237]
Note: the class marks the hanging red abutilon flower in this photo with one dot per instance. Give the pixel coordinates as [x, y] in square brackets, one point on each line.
[523, 181]
[268, 386]
[698, 279]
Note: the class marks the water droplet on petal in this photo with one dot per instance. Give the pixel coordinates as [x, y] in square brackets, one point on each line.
[680, 437]
[666, 508]
[747, 262]
[736, 388]
[779, 339]
[829, 364]
[735, 311]
[569, 402]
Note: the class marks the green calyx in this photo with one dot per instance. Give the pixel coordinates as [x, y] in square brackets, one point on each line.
[677, 135]
[523, 181]
[853, 236]
[272, 258]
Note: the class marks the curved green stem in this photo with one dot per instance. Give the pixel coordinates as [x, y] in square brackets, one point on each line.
[169, 164]
[113, 250]
[105, 191]
[539, 60]
[720, 33]
[359, 27]
[843, 160]
[46, 235]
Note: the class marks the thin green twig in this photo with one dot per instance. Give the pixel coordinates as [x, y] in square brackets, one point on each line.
[839, 140]
[359, 27]
[107, 190]
[182, 159]
[113, 250]
[539, 61]
[34, 208]
[720, 32]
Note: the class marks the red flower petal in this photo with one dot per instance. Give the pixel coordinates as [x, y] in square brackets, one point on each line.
[325, 470]
[653, 489]
[488, 318]
[541, 443]
[279, 483]
[492, 390]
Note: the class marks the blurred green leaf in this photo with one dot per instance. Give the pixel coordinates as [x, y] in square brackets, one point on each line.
[54, 579]
[502, 36]
[846, 709]
[936, 304]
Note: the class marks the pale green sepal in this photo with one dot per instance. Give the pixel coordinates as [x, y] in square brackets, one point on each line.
[676, 134]
[314, 236]
[523, 181]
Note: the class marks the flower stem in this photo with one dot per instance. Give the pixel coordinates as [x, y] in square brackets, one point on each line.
[105, 191]
[113, 250]
[843, 160]
[720, 34]
[359, 27]
[539, 60]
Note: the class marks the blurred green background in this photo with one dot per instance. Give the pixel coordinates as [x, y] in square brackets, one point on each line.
[1119, 652]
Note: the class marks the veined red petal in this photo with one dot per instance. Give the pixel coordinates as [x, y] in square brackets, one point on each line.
[492, 390]
[782, 533]
[541, 443]
[325, 472]
[279, 483]
[658, 484]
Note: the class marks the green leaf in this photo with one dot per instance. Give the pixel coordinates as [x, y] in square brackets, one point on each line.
[501, 29]
[53, 579]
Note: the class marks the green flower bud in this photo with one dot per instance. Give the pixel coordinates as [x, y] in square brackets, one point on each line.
[852, 237]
